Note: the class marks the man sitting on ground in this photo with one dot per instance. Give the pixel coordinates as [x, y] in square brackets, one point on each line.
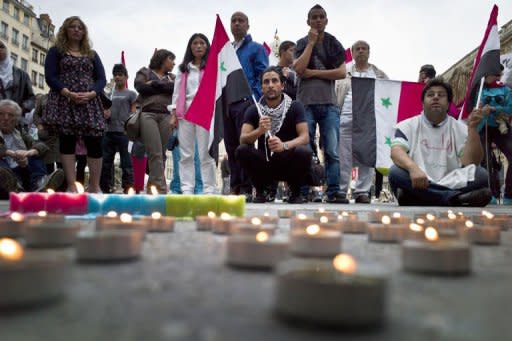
[283, 141]
[436, 157]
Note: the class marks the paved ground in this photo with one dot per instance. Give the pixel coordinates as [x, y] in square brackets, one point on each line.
[181, 290]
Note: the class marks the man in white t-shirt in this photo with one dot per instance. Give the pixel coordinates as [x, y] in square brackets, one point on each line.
[436, 157]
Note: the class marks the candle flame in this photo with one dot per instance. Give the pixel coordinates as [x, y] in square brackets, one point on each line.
[469, 224]
[10, 249]
[211, 215]
[255, 221]
[345, 263]
[430, 217]
[396, 215]
[488, 214]
[17, 217]
[50, 191]
[324, 219]
[131, 191]
[225, 216]
[449, 211]
[431, 234]
[312, 229]
[79, 187]
[386, 220]
[262, 236]
[460, 213]
[266, 214]
[416, 227]
[302, 216]
[345, 214]
[321, 210]
[126, 218]
[377, 210]
[42, 214]
[112, 214]
[420, 221]
[153, 190]
[156, 215]
[452, 216]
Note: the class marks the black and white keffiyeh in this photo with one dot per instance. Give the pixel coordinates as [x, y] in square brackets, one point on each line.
[277, 114]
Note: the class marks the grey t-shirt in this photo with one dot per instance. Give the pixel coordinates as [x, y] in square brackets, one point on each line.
[120, 110]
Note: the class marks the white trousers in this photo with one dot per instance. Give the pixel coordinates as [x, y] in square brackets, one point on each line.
[188, 134]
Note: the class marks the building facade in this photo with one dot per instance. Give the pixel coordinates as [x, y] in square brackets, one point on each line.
[28, 38]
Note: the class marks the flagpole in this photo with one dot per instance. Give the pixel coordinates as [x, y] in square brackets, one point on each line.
[480, 90]
[268, 133]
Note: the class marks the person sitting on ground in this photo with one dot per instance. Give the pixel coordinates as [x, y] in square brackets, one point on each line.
[283, 139]
[21, 166]
[436, 157]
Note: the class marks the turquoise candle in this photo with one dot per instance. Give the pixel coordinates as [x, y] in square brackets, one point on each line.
[232, 204]
[95, 203]
[120, 203]
[179, 205]
[202, 204]
[151, 203]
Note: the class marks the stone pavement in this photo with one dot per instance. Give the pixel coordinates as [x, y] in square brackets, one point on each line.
[181, 290]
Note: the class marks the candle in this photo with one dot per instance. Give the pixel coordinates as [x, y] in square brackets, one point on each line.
[428, 217]
[255, 251]
[335, 293]
[267, 219]
[157, 223]
[121, 203]
[67, 203]
[445, 257]
[313, 241]
[301, 220]
[44, 217]
[286, 213]
[95, 202]
[27, 202]
[376, 216]
[202, 204]
[351, 224]
[205, 223]
[397, 218]
[109, 245]
[12, 226]
[488, 218]
[386, 232]
[28, 278]
[51, 234]
[232, 204]
[483, 234]
[254, 227]
[179, 205]
[415, 231]
[226, 222]
[123, 222]
[330, 215]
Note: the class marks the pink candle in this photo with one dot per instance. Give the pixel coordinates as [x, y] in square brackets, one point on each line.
[27, 202]
[67, 203]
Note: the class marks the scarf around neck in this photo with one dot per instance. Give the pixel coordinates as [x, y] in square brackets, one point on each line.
[277, 114]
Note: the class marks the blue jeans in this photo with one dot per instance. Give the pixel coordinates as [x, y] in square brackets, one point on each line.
[433, 195]
[112, 143]
[30, 175]
[328, 118]
[176, 183]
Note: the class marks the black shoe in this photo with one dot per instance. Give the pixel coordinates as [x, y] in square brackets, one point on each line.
[296, 199]
[271, 196]
[363, 199]
[260, 198]
[477, 198]
[318, 197]
[337, 198]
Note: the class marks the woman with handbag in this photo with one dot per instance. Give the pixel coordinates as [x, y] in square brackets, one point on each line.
[187, 82]
[155, 86]
[76, 77]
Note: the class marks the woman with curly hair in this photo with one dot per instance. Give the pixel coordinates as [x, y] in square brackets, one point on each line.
[76, 78]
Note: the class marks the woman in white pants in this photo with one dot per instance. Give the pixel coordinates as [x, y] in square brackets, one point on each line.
[190, 72]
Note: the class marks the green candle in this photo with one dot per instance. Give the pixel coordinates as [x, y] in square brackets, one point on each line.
[202, 204]
[179, 205]
[232, 204]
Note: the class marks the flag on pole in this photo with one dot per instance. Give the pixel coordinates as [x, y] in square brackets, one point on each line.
[487, 62]
[377, 106]
[223, 83]
[123, 61]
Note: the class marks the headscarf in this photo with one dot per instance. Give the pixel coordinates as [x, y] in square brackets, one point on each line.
[6, 69]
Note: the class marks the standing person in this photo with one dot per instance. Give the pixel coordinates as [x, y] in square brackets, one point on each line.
[286, 58]
[155, 86]
[427, 72]
[15, 84]
[361, 68]
[115, 139]
[320, 61]
[76, 77]
[189, 76]
[254, 60]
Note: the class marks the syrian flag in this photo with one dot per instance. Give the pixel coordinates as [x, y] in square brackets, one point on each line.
[377, 106]
[223, 83]
[487, 62]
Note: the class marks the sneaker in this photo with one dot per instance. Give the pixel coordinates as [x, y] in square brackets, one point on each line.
[477, 198]
[363, 199]
[318, 197]
[55, 180]
[507, 201]
[8, 181]
[337, 198]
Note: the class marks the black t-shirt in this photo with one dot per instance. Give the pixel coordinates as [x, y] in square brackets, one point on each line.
[288, 129]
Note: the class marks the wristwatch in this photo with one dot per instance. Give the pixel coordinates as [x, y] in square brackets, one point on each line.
[285, 146]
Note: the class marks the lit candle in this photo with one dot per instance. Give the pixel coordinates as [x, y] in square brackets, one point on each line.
[397, 218]
[260, 250]
[223, 224]
[386, 232]
[232, 204]
[123, 222]
[334, 293]
[376, 215]
[27, 202]
[205, 223]
[43, 217]
[12, 226]
[313, 241]
[68, 203]
[30, 278]
[330, 215]
[286, 213]
[254, 227]
[350, 223]
[157, 223]
[488, 218]
[109, 245]
[415, 231]
[51, 234]
[483, 234]
[436, 256]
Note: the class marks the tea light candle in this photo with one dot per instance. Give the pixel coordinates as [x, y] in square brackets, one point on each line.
[488, 218]
[397, 218]
[352, 224]
[386, 232]
[415, 231]
[301, 221]
[331, 215]
[205, 223]
[427, 217]
[314, 241]
[483, 234]
[445, 257]
[29, 279]
[157, 223]
[223, 224]
[337, 293]
[376, 215]
[51, 234]
[122, 222]
[254, 227]
[286, 213]
[12, 226]
[109, 245]
[266, 218]
[44, 217]
[256, 251]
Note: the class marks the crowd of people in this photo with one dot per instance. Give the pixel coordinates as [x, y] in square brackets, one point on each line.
[438, 159]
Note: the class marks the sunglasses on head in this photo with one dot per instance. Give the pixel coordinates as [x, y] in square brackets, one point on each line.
[499, 99]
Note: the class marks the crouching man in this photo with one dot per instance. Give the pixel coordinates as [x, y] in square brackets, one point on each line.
[436, 157]
[281, 129]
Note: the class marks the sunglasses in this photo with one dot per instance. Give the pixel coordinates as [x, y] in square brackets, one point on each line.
[498, 99]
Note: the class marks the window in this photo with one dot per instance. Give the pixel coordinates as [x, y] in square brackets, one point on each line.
[6, 6]
[15, 37]
[42, 58]
[16, 13]
[24, 42]
[41, 81]
[3, 30]
[34, 78]
[26, 19]
[35, 54]
[24, 64]
[14, 58]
